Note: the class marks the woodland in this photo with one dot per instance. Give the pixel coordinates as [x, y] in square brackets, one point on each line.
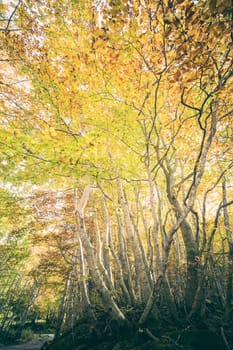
[116, 173]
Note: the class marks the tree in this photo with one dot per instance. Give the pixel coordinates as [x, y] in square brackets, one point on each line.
[129, 104]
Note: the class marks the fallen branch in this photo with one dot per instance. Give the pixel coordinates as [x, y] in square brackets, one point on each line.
[225, 339]
[148, 332]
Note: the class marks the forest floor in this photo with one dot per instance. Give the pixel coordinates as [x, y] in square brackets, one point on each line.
[148, 337]
[105, 334]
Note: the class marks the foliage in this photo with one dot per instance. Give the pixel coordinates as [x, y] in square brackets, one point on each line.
[14, 226]
[27, 334]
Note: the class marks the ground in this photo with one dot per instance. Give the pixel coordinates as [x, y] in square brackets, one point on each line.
[30, 345]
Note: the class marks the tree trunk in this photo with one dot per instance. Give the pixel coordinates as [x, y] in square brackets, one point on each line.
[229, 235]
[105, 294]
[141, 276]
[192, 263]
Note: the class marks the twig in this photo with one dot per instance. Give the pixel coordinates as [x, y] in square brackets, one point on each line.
[12, 15]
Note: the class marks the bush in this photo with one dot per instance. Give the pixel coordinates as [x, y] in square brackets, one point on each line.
[26, 335]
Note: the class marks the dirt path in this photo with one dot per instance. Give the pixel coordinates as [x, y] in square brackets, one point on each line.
[30, 345]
